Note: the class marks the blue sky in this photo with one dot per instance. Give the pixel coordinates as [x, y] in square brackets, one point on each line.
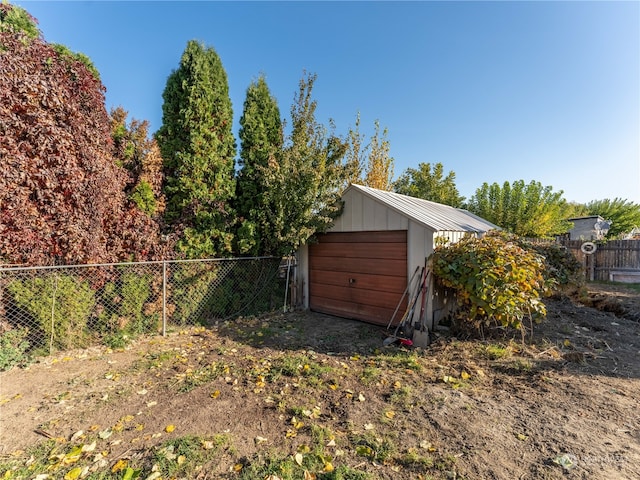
[495, 91]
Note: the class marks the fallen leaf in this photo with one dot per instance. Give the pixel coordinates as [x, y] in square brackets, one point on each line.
[298, 457]
[215, 394]
[361, 397]
[73, 473]
[464, 375]
[118, 466]
[169, 428]
[389, 414]
[258, 440]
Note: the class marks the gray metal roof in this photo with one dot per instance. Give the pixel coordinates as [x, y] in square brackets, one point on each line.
[435, 216]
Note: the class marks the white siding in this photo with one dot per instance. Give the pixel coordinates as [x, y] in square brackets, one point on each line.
[362, 214]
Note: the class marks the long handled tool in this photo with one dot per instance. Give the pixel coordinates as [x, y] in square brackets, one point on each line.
[408, 315]
[406, 290]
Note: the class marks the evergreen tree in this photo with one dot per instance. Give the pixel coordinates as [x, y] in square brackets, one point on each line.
[198, 150]
[260, 153]
[430, 184]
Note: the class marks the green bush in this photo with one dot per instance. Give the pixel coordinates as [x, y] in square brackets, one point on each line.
[193, 292]
[59, 305]
[561, 265]
[142, 196]
[123, 314]
[497, 282]
[13, 347]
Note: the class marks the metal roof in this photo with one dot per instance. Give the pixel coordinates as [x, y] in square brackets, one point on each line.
[435, 216]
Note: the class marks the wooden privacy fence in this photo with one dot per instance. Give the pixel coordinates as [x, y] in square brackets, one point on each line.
[615, 260]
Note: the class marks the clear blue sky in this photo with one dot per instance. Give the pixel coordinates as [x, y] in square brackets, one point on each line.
[495, 91]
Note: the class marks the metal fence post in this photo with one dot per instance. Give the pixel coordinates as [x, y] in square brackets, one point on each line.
[164, 298]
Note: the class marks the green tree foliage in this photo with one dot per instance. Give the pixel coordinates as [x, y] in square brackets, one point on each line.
[497, 282]
[379, 170]
[306, 184]
[369, 165]
[261, 140]
[528, 210]
[624, 215]
[138, 153]
[429, 183]
[355, 156]
[62, 196]
[198, 150]
[14, 19]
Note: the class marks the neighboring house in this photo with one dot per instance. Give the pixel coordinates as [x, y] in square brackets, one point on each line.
[593, 227]
[361, 267]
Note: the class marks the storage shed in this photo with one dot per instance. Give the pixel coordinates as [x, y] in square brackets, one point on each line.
[360, 269]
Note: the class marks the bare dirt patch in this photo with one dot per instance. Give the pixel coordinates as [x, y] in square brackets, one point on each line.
[563, 405]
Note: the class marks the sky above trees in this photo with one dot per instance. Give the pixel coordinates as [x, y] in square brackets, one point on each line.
[544, 91]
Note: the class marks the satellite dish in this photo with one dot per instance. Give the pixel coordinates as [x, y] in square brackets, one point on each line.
[588, 248]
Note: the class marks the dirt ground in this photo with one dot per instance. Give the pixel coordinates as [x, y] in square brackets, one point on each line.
[566, 404]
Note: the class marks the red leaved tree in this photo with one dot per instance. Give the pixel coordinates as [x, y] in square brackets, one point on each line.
[62, 196]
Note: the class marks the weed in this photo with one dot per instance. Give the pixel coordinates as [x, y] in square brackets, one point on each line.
[370, 374]
[170, 458]
[401, 396]
[405, 359]
[297, 366]
[413, 458]
[372, 447]
[200, 376]
[13, 347]
[495, 351]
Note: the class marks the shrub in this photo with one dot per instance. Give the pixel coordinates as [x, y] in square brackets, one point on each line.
[496, 281]
[561, 265]
[124, 314]
[59, 305]
[13, 347]
[193, 293]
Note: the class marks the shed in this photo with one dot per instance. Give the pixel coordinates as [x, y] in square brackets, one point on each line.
[361, 267]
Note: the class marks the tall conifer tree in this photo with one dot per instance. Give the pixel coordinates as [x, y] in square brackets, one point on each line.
[260, 154]
[198, 149]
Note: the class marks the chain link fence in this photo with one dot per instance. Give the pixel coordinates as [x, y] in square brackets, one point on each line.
[48, 309]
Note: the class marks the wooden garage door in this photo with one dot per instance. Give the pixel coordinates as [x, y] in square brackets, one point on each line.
[360, 275]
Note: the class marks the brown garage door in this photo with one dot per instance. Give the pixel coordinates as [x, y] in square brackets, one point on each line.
[360, 275]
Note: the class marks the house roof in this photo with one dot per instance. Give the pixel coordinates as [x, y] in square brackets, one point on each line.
[435, 216]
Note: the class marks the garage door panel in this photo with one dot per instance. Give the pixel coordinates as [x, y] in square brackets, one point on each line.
[394, 236]
[385, 266]
[356, 295]
[383, 283]
[360, 250]
[367, 313]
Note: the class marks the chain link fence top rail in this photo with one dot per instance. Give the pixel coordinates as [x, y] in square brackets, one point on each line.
[47, 309]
